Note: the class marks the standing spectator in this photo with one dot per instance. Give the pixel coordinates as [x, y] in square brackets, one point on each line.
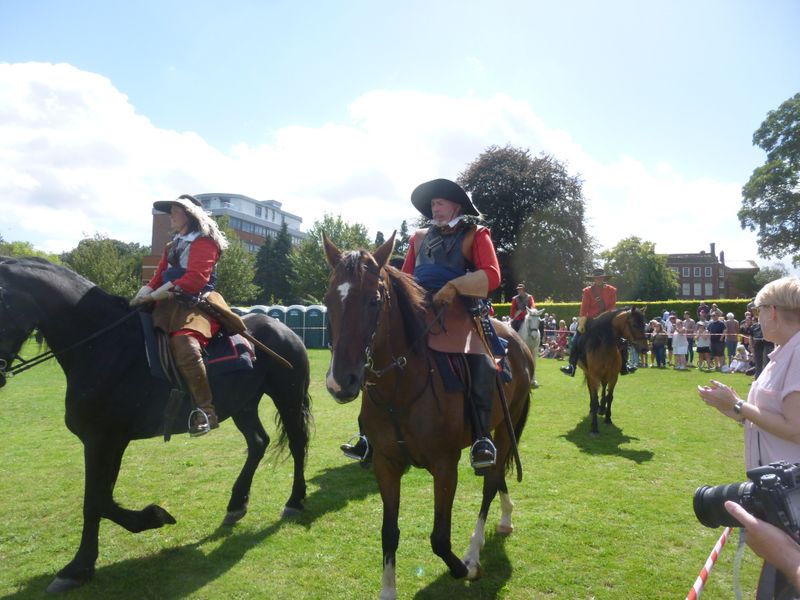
[660, 345]
[731, 336]
[703, 340]
[715, 309]
[573, 327]
[680, 346]
[561, 337]
[645, 356]
[690, 326]
[669, 329]
[716, 330]
[519, 303]
[761, 347]
[702, 311]
[771, 414]
[744, 330]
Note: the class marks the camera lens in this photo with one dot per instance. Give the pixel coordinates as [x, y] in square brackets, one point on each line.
[709, 503]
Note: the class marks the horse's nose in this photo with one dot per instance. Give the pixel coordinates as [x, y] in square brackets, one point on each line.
[344, 388]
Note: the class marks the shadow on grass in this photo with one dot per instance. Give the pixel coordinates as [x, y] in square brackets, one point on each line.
[608, 442]
[183, 570]
[496, 572]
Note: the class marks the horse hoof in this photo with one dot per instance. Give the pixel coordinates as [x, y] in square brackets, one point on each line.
[504, 529]
[474, 572]
[289, 512]
[158, 517]
[234, 516]
[60, 585]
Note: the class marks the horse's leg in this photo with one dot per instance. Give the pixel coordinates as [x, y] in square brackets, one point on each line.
[388, 476]
[257, 440]
[609, 399]
[294, 419]
[102, 461]
[602, 409]
[445, 480]
[492, 483]
[593, 404]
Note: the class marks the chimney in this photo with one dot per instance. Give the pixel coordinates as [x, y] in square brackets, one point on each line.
[722, 257]
[713, 248]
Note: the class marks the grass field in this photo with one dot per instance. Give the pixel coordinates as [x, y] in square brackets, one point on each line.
[601, 518]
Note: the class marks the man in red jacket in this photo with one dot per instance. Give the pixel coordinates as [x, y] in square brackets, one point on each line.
[519, 304]
[454, 258]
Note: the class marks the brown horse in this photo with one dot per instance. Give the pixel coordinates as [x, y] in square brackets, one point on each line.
[378, 346]
[600, 357]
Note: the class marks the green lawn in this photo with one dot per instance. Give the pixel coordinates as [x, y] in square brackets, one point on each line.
[595, 518]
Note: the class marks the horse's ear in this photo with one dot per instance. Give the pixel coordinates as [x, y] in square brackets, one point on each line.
[383, 253]
[332, 253]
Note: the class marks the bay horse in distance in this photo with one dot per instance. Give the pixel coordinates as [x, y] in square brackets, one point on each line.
[600, 358]
[377, 320]
[112, 398]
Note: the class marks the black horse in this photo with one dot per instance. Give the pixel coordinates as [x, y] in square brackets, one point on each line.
[112, 398]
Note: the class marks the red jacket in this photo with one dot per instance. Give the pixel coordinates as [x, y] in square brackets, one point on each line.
[590, 306]
[203, 256]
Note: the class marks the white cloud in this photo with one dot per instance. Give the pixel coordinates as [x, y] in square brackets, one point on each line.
[78, 159]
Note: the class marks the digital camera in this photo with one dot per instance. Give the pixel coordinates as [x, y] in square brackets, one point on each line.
[772, 494]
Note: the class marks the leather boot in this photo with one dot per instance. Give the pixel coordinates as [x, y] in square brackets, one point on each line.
[188, 355]
[573, 357]
[483, 379]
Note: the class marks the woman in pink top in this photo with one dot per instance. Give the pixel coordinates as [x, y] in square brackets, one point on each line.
[771, 415]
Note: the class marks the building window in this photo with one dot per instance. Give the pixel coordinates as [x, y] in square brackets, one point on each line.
[698, 289]
[697, 271]
[685, 271]
[258, 211]
[687, 289]
[708, 271]
[722, 284]
[709, 290]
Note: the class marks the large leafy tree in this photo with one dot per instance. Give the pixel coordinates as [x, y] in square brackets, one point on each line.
[25, 249]
[638, 272]
[769, 273]
[113, 265]
[274, 274]
[771, 198]
[308, 258]
[536, 211]
[235, 269]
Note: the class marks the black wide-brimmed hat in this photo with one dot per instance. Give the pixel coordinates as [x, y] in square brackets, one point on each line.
[598, 273]
[184, 201]
[441, 188]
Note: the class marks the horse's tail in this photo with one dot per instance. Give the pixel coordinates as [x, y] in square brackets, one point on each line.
[303, 426]
[519, 426]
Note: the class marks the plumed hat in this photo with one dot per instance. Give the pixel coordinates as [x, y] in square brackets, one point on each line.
[441, 188]
[193, 207]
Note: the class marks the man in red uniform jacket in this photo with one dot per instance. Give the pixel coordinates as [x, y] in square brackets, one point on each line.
[597, 298]
[519, 304]
[453, 258]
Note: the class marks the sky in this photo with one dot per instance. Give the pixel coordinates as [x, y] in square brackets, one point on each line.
[343, 107]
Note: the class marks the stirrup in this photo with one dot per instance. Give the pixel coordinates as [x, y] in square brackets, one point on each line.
[349, 449]
[201, 425]
[482, 464]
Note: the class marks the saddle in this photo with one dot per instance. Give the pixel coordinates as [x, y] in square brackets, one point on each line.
[224, 353]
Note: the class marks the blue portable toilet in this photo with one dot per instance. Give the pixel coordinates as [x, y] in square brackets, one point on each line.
[277, 312]
[316, 326]
[259, 309]
[295, 319]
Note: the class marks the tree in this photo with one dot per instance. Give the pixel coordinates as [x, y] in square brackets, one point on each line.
[536, 212]
[274, 274]
[113, 265]
[235, 269]
[769, 273]
[26, 249]
[308, 258]
[402, 240]
[771, 198]
[639, 273]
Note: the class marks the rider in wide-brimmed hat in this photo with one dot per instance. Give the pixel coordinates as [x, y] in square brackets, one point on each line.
[188, 265]
[519, 303]
[454, 258]
[597, 298]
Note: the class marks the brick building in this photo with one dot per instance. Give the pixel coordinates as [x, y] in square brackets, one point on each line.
[704, 275]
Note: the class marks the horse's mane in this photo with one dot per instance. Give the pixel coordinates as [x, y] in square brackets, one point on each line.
[411, 302]
[600, 330]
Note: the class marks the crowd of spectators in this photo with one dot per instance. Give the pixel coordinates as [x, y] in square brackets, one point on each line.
[713, 341]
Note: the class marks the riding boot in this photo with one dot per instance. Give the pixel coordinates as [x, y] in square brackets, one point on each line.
[573, 357]
[483, 379]
[625, 368]
[188, 355]
[360, 450]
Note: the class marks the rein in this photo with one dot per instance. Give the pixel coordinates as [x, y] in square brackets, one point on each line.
[24, 365]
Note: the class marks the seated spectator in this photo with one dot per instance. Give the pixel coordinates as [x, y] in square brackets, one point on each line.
[741, 360]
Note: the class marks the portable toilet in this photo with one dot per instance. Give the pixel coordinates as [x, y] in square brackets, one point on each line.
[316, 327]
[277, 312]
[259, 309]
[295, 319]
